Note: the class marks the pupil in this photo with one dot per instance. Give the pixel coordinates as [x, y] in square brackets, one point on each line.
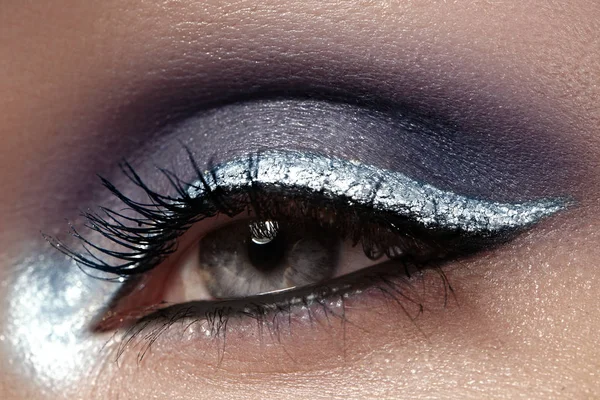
[266, 257]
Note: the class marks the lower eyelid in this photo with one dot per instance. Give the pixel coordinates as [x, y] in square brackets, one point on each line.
[201, 332]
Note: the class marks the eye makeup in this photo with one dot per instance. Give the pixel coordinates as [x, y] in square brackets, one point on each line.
[482, 162]
[381, 171]
[374, 196]
[503, 159]
[495, 145]
[365, 186]
[413, 224]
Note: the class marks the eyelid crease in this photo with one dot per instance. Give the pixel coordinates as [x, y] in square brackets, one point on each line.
[386, 191]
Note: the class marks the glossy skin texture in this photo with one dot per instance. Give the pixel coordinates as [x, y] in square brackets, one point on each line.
[82, 86]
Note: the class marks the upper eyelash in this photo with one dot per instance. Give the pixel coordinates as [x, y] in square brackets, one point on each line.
[147, 239]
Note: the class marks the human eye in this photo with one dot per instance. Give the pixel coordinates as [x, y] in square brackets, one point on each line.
[278, 234]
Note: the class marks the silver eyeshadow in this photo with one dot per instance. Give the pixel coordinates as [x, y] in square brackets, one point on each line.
[383, 190]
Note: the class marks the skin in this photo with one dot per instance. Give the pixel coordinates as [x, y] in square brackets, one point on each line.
[524, 320]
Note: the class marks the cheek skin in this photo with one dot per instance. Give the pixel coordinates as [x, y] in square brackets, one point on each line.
[481, 339]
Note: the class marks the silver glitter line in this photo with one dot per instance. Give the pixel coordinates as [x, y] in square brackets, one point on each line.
[383, 190]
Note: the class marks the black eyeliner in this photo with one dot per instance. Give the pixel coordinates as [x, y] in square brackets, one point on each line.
[381, 197]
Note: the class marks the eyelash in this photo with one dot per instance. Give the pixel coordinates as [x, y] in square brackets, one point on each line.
[149, 235]
[273, 315]
[152, 236]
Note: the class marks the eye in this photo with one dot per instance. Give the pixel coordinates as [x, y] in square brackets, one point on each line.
[245, 259]
[283, 227]
[255, 257]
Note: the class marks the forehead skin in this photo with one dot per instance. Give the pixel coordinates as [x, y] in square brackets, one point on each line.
[66, 66]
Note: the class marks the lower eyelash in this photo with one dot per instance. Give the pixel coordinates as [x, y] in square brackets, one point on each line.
[397, 285]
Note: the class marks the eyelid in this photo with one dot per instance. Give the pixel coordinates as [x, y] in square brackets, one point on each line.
[231, 187]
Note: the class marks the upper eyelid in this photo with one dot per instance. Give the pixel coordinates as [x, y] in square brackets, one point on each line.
[385, 191]
[478, 158]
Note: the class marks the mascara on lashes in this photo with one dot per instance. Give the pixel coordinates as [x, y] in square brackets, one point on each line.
[389, 197]
[382, 190]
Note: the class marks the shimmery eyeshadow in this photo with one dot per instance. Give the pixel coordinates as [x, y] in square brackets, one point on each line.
[383, 190]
